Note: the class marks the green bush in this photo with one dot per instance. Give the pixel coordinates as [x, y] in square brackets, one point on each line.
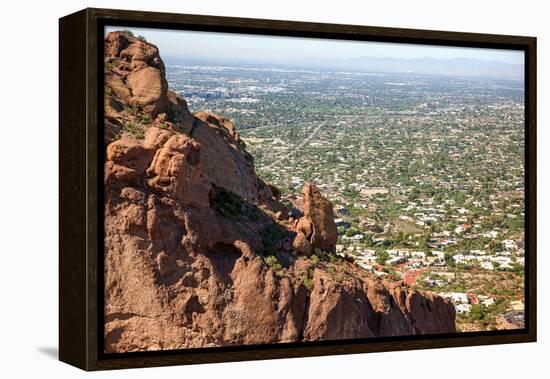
[271, 234]
[272, 262]
[112, 64]
[145, 118]
[252, 213]
[449, 260]
[307, 279]
[382, 257]
[352, 232]
[132, 111]
[135, 129]
[329, 257]
[225, 202]
[314, 259]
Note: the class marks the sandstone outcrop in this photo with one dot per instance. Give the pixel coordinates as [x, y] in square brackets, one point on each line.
[199, 251]
[317, 226]
[139, 72]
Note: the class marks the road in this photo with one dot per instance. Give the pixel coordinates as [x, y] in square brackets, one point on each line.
[297, 147]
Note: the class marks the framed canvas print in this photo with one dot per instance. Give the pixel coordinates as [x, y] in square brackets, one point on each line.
[236, 189]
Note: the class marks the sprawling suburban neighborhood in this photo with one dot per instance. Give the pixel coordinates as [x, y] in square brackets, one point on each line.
[426, 172]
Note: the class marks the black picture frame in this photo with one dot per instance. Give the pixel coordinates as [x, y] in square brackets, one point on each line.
[81, 185]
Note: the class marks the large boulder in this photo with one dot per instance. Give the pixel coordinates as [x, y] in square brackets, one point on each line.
[126, 162]
[226, 162]
[136, 73]
[134, 53]
[176, 170]
[149, 87]
[317, 224]
[337, 310]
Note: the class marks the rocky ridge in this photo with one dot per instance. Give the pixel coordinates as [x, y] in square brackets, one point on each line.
[201, 252]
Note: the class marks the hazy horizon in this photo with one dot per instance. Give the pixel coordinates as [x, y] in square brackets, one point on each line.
[295, 51]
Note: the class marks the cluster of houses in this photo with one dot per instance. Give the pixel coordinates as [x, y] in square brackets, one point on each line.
[463, 301]
[416, 259]
[366, 258]
[425, 214]
[501, 260]
[442, 279]
[416, 263]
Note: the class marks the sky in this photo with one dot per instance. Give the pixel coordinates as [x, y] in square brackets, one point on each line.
[213, 45]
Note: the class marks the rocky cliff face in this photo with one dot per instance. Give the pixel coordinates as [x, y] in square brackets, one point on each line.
[200, 252]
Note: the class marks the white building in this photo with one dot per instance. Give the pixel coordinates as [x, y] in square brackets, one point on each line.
[510, 244]
[459, 258]
[439, 254]
[463, 309]
[418, 254]
[488, 302]
[364, 265]
[491, 234]
[487, 266]
[395, 260]
[459, 298]
[520, 261]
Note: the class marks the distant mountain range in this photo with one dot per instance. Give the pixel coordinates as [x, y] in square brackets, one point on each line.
[465, 67]
[454, 66]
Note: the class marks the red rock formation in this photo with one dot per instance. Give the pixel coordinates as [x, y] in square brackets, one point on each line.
[188, 226]
[138, 64]
[316, 229]
[177, 172]
[222, 144]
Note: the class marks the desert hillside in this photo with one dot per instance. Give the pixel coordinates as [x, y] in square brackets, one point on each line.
[201, 252]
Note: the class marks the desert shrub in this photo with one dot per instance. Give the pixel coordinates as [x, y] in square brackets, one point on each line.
[272, 262]
[307, 278]
[270, 235]
[449, 260]
[145, 118]
[132, 111]
[352, 232]
[327, 256]
[382, 257]
[252, 212]
[112, 63]
[314, 259]
[135, 129]
[116, 137]
[226, 203]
